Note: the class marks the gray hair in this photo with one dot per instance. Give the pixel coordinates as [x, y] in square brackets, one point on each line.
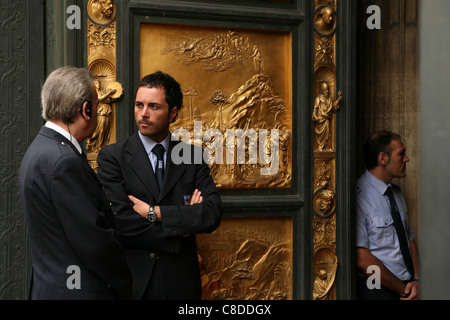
[64, 91]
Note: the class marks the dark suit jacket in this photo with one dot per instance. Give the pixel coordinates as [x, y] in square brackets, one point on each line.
[69, 223]
[125, 169]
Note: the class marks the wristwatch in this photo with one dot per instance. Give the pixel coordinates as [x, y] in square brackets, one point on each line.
[151, 214]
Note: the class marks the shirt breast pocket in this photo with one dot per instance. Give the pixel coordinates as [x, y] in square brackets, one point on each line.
[384, 227]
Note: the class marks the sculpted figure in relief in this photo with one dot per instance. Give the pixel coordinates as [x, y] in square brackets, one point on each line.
[102, 132]
[324, 107]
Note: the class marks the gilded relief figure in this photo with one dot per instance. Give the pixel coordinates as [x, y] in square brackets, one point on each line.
[326, 264]
[102, 132]
[218, 98]
[320, 284]
[324, 108]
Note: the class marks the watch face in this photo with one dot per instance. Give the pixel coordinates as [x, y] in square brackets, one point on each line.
[151, 215]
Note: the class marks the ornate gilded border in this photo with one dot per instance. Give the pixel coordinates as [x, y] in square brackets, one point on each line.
[101, 47]
[324, 112]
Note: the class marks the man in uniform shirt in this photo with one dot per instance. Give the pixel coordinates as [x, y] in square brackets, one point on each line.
[379, 239]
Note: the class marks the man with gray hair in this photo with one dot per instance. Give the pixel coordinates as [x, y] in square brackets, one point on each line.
[75, 254]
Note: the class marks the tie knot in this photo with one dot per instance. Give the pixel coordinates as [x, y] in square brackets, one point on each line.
[388, 191]
[158, 150]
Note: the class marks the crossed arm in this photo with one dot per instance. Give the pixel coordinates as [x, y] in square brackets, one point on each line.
[142, 207]
[203, 215]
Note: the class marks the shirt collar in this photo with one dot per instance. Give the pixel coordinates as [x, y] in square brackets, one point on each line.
[64, 133]
[379, 185]
[149, 143]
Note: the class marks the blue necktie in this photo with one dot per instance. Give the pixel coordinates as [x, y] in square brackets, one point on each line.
[159, 150]
[400, 230]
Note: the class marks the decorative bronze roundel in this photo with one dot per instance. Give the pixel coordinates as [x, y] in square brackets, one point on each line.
[102, 11]
[324, 203]
[325, 21]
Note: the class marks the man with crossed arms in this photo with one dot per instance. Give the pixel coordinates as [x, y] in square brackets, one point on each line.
[156, 222]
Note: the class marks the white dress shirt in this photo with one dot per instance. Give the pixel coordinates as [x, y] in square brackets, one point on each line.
[149, 144]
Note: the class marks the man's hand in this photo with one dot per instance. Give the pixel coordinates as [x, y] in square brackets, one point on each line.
[412, 291]
[142, 207]
[196, 197]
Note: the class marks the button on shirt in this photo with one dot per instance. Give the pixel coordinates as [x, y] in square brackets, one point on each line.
[374, 224]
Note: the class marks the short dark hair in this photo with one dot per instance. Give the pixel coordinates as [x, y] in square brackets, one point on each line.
[158, 79]
[377, 142]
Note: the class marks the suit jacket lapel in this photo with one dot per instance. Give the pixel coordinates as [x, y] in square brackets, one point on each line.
[173, 172]
[140, 164]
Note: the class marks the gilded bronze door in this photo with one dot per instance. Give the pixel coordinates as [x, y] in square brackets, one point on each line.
[261, 97]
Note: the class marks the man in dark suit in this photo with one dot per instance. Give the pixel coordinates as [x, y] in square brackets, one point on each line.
[75, 254]
[158, 226]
